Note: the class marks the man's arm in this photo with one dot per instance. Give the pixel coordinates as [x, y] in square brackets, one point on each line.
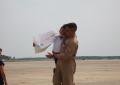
[3, 74]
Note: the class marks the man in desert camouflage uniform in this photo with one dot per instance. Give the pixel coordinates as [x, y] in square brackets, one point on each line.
[66, 64]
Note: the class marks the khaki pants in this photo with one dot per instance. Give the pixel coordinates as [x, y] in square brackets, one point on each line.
[64, 73]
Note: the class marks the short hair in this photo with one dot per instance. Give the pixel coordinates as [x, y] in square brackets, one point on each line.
[71, 26]
[0, 49]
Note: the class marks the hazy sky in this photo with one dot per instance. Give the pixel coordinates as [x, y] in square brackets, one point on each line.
[98, 24]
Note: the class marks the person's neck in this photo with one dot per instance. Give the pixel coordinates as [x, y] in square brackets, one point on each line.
[69, 37]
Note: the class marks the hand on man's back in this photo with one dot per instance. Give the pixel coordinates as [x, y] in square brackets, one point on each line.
[50, 55]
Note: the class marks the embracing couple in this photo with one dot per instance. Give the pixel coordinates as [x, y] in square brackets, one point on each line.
[64, 51]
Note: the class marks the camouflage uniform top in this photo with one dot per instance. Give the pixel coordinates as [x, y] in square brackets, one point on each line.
[68, 49]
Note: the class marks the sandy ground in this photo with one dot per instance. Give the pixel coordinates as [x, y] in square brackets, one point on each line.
[90, 72]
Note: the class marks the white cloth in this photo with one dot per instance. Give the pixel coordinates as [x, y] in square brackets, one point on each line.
[42, 42]
[57, 44]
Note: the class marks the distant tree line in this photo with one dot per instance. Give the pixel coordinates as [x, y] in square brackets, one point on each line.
[4, 57]
[97, 57]
[9, 58]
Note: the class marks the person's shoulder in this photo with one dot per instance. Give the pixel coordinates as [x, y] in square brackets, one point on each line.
[72, 40]
[1, 62]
